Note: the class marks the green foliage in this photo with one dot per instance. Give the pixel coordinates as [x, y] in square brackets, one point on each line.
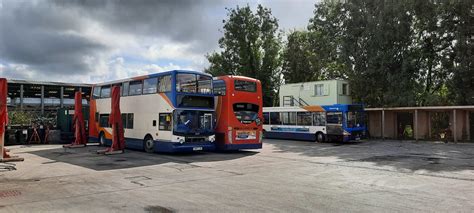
[19, 118]
[297, 59]
[393, 53]
[251, 47]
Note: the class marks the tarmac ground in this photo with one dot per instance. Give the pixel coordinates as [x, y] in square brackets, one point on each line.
[285, 176]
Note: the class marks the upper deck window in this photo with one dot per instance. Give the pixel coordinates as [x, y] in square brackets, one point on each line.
[124, 88]
[164, 83]
[135, 88]
[96, 93]
[246, 86]
[105, 91]
[219, 87]
[204, 84]
[192, 83]
[150, 85]
[186, 83]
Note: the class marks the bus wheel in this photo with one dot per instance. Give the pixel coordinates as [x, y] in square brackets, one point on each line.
[148, 144]
[101, 139]
[320, 137]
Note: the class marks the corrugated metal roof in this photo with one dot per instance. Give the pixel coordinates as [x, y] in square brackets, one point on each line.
[17, 81]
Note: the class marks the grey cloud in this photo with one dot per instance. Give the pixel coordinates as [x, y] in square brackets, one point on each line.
[177, 20]
[39, 35]
[48, 36]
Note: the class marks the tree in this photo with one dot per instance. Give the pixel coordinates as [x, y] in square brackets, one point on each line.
[458, 21]
[251, 46]
[296, 58]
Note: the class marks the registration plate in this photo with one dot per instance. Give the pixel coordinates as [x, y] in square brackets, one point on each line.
[246, 135]
[357, 139]
[197, 148]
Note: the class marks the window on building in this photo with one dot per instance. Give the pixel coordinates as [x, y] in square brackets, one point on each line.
[124, 88]
[266, 118]
[105, 91]
[275, 118]
[319, 89]
[304, 119]
[135, 88]
[150, 85]
[288, 118]
[165, 122]
[319, 119]
[164, 83]
[345, 89]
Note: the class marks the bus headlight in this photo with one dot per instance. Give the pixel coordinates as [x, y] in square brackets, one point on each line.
[212, 138]
[258, 121]
[346, 133]
[181, 140]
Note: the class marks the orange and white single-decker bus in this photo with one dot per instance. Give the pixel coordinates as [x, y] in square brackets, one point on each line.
[239, 115]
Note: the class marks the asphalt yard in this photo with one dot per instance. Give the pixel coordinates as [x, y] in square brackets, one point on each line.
[285, 176]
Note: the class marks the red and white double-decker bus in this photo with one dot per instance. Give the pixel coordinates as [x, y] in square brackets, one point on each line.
[238, 113]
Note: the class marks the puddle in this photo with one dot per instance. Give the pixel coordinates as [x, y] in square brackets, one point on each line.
[158, 209]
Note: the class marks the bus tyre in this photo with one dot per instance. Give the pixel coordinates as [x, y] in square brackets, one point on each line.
[320, 137]
[101, 139]
[149, 144]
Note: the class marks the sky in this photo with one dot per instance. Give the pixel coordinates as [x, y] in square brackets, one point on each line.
[91, 41]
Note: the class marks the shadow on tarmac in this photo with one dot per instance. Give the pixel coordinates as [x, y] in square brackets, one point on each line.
[403, 155]
[87, 157]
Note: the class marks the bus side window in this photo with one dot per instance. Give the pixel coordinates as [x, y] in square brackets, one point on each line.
[266, 118]
[96, 93]
[165, 121]
[319, 119]
[219, 87]
[124, 120]
[164, 83]
[130, 121]
[124, 88]
[104, 120]
[105, 91]
[304, 119]
[275, 118]
[288, 118]
[135, 88]
[150, 85]
[334, 117]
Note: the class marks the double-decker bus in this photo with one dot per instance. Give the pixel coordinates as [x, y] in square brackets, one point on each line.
[170, 111]
[338, 122]
[239, 113]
